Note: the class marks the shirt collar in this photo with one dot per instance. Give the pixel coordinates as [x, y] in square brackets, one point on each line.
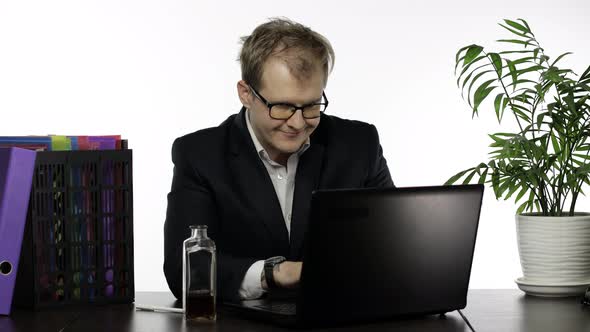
[260, 149]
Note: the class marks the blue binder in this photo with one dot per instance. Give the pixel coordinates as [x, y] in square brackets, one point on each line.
[16, 176]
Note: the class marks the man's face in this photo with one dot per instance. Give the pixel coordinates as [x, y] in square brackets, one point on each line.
[281, 138]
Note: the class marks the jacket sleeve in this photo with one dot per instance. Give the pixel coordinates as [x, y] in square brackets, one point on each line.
[191, 201]
[378, 172]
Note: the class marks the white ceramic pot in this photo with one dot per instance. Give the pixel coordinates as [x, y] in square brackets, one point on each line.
[554, 250]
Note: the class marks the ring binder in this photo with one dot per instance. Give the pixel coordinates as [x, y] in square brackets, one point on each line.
[16, 172]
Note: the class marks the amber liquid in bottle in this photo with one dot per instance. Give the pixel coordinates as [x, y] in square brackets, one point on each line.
[200, 306]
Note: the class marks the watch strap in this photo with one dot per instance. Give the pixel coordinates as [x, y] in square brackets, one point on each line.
[269, 276]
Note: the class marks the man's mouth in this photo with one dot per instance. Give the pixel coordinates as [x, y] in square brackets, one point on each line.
[292, 133]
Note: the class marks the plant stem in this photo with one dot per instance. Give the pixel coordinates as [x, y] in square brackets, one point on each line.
[531, 159]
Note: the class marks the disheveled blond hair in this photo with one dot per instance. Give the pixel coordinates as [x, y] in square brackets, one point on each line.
[300, 47]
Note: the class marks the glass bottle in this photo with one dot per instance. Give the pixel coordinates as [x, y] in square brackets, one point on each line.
[199, 276]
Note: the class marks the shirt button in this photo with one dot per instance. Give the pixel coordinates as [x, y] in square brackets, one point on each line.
[280, 177]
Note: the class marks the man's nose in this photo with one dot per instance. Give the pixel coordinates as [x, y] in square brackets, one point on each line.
[297, 121]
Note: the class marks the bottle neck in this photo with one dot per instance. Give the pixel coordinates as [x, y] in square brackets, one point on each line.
[199, 232]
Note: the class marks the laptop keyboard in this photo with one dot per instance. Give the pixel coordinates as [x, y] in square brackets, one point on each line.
[285, 308]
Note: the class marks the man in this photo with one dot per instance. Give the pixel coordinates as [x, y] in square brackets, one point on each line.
[250, 179]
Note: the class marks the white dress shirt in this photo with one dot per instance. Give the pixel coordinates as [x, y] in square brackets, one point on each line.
[283, 181]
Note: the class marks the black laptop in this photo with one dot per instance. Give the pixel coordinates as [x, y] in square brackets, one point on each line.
[374, 254]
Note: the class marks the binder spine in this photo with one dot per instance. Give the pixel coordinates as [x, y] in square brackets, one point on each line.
[16, 168]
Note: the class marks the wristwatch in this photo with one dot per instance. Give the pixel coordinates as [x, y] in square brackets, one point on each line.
[269, 266]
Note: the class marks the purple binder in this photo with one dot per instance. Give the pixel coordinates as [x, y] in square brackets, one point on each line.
[16, 176]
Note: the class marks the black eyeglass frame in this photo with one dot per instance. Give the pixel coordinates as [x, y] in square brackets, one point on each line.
[294, 108]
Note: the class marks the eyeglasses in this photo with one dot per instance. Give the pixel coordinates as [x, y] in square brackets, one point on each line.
[284, 111]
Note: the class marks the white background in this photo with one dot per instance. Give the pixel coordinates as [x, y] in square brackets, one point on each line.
[155, 70]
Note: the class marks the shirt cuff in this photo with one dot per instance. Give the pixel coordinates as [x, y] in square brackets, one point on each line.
[251, 287]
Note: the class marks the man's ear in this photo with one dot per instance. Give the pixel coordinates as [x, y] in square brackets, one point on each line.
[244, 94]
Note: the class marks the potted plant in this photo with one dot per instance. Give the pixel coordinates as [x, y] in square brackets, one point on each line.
[545, 164]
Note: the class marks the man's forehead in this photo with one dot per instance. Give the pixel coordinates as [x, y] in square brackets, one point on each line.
[279, 84]
[296, 96]
[301, 66]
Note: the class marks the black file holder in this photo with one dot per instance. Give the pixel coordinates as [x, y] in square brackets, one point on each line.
[78, 241]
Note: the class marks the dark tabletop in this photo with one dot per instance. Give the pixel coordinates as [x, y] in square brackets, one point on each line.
[487, 310]
[512, 310]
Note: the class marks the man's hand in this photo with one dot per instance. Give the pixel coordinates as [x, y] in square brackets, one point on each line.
[286, 275]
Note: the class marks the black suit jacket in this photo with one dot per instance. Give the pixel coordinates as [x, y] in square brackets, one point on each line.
[220, 181]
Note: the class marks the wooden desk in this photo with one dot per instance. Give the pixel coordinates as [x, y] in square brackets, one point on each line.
[487, 310]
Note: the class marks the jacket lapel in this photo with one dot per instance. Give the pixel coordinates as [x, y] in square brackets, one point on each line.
[254, 182]
[307, 180]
